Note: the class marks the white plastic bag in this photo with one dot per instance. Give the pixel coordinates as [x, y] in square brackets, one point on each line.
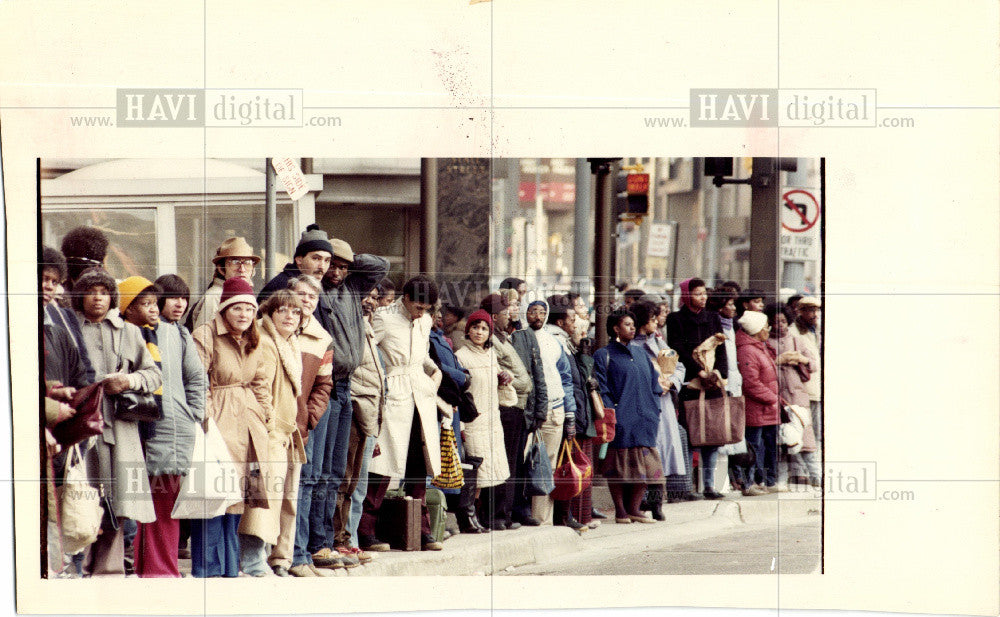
[212, 482]
[80, 506]
[732, 449]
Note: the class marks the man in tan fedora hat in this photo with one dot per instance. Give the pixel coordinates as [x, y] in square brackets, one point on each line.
[233, 259]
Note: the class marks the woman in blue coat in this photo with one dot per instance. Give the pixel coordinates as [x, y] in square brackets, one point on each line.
[628, 383]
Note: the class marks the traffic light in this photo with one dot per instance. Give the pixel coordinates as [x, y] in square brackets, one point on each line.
[632, 193]
[718, 166]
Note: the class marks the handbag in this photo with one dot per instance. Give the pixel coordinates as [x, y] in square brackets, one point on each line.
[539, 470]
[210, 485]
[451, 468]
[574, 472]
[135, 406]
[604, 419]
[715, 421]
[80, 506]
[88, 419]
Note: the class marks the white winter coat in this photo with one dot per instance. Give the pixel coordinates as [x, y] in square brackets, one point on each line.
[484, 435]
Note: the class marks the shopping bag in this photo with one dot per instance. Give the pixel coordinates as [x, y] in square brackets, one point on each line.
[574, 472]
[539, 469]
[80, 506]
[212, 483]
[451, 468]
[715, 421]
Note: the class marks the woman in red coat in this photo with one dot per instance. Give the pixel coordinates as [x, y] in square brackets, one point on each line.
[760, 391]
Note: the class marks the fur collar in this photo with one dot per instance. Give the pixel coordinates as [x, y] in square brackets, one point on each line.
[288, 352]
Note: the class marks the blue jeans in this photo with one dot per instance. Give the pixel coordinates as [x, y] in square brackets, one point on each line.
[708, 455]
[308, 478]
[215, 546]
[764, 440]
[330, 457]
[358, 496]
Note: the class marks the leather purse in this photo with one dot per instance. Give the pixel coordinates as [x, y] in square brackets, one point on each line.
[539, 470]
[574, 472]
[88, 419]
[136, 407]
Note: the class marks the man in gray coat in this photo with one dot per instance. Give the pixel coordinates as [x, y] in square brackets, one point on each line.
[349, 279]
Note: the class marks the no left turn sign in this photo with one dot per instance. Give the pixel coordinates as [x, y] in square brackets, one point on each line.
[799, 211]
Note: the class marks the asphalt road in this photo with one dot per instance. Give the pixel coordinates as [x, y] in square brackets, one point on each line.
[753, 549]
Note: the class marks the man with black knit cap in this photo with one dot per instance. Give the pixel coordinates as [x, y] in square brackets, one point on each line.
[312, 257]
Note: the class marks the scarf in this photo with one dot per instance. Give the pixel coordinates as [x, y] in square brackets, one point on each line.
[288, 352]
[727, 322]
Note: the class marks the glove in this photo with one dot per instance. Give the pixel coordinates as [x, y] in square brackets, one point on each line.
[569, 430]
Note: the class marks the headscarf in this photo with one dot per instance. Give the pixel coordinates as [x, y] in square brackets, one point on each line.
[686, 293]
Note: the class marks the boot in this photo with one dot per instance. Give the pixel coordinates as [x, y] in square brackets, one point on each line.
[465, 511]
[654, 497]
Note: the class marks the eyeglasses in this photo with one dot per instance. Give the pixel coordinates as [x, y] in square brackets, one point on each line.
[288, 310]
[239, 261]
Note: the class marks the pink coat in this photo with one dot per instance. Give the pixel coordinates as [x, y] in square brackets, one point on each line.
[760, 380]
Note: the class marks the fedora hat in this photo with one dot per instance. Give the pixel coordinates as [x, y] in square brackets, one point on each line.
[234, 247]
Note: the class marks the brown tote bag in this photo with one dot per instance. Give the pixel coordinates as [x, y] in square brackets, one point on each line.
[715, 421]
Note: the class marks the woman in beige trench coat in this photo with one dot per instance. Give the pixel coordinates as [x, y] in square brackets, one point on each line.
[409, 442]
[239, 401]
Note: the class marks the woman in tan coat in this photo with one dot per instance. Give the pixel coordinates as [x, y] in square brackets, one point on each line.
[282, 315]
[239, 401]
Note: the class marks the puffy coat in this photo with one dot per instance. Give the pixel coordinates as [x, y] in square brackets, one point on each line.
[239, 395]
[536, 402]
[509, 361]
[760, 380]
[169, 442]
[317, 376]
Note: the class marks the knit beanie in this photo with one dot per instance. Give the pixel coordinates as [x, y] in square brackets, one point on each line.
[313, 239]
[92, 278]
[235, 291]
[753, 322]
[129, 290]
[479, 315]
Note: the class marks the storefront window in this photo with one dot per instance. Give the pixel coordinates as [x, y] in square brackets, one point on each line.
[131, 236]
[200, 231]
[379, 231]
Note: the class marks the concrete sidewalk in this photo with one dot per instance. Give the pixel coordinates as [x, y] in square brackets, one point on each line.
[485, 554]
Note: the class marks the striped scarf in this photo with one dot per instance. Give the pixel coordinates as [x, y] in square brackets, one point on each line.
[149, 335]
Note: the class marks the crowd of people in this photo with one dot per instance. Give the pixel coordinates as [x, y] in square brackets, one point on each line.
[329, 386]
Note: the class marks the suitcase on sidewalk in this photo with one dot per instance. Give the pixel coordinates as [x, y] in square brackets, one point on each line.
[435, 507]
[399, 523]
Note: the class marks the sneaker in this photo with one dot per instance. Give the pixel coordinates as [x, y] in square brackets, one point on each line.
[327, 558]
[349, 560]
[302, 571]
[513, 525]
[373, 544]
[361, 556]
[753, 491]
[428, 544]
[776, 488]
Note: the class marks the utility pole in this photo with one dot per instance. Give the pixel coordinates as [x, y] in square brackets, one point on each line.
[765, 225]
[270, 220]
[582, 265]
[604, 230]
[429, 214]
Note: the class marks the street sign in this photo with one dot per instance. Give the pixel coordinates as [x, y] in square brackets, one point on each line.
[800, 215]
[660, 235]
[291, 177]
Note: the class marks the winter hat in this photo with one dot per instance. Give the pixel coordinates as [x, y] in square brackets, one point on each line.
[479, 315]
[129, 290]
[235, 291]
[809, 301]
[342, 250]
[313, 239]
[753, 322]
[92, 278]
[494, 303]
[234, 247]
[539, 303]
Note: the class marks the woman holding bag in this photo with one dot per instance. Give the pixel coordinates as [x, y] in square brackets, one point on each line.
[483, 436]
[628, 383]
[239, 401]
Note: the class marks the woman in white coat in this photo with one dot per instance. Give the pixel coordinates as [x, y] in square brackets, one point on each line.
[409, 442]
